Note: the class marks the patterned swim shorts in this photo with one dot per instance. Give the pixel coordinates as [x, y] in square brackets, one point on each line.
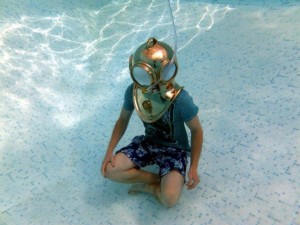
[143, 153]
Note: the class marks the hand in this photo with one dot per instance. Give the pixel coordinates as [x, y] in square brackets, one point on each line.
[109, 158]
[194, 179]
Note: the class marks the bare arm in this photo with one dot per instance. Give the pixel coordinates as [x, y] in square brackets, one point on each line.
[118, 131]
[196, 148]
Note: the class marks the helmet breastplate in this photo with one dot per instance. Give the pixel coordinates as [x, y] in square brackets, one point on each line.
[151, 106]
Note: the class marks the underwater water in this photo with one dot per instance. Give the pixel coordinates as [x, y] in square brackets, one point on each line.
[64, 70]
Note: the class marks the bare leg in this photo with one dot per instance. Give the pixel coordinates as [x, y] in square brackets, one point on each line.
[167, 192]
[125, 172]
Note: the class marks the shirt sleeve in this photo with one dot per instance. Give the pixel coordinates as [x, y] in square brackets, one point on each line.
[188, 109]
[128, 99]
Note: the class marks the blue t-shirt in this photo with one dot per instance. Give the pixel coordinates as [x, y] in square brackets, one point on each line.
[169, 129]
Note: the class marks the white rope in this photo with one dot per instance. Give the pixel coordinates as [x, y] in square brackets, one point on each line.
[166, 70]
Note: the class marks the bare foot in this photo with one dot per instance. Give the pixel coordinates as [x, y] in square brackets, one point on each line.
[136, 189]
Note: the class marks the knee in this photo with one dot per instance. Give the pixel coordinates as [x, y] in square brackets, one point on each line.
[170, 200]
[111, 171]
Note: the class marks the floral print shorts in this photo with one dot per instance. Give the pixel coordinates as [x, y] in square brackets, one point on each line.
[143, 153]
